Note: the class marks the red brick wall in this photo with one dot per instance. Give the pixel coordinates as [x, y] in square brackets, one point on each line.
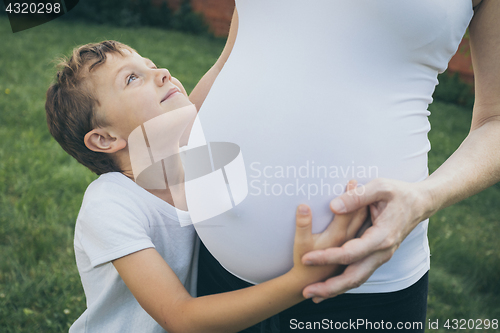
[217, 13]
[461, 62]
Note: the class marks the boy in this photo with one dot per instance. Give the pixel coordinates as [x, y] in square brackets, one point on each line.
[135, 260]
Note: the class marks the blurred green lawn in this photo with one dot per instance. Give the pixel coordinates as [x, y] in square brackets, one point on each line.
[41, 187]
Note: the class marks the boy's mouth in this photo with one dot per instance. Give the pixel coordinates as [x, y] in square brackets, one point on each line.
[171, 92]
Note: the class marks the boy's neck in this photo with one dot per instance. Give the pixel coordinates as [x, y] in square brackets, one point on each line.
[176, 199]
[172, 180]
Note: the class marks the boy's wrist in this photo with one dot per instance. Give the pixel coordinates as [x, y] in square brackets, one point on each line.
[297, 281]
[303, 276]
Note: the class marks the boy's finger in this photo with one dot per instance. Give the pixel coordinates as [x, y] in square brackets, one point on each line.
[360, 220]
[341, 222]
[359, 216]
[303, 230]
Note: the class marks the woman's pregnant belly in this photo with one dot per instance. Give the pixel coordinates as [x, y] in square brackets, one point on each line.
[300, 147]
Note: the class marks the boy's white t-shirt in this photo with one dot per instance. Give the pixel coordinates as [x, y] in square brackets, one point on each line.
[118, 218]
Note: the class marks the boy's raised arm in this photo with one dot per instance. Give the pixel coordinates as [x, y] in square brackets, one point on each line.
[200, 92]
[162, 295]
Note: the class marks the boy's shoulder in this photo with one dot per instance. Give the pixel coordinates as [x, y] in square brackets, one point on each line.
[114, 194]
[111, 187]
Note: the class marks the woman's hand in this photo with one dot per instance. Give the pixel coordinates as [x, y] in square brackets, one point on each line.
[396, 208]
[343, 228]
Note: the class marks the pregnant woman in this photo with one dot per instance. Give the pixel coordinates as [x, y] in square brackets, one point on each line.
[318, 92]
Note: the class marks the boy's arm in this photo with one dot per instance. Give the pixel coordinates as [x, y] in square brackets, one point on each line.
[162, 295]
[201, 90]
[158, 290]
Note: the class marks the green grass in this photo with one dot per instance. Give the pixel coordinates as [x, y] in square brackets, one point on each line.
[465, 261]
[41, 188]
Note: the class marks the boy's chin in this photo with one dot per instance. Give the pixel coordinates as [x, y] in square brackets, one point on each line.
[177, 102]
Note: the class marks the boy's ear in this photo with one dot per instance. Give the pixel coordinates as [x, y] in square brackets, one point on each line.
[101, 141]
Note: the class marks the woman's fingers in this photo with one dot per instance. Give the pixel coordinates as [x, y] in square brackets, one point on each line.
[352, 222]
[344, 226]
[352, 251]
[359, 231]
[374, 191]
[351, 185]
[352, 277]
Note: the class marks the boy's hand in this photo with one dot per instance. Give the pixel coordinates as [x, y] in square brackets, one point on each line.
[341, 229]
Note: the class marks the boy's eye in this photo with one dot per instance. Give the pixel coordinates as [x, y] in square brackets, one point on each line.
[131, 78]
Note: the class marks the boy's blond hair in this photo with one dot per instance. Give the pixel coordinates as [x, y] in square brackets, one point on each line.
[71, 104]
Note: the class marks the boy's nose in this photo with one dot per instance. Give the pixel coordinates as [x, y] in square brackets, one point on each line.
[162, 76]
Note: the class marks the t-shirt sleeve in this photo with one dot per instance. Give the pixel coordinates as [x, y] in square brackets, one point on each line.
[111, 224]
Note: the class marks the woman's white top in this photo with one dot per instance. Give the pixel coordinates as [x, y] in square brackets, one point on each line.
[316, 93]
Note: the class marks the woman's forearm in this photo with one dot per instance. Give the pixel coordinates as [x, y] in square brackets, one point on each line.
[476, 163]
[473, 167]
[200, 92]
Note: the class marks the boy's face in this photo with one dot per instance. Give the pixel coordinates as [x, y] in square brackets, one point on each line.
[131, 91]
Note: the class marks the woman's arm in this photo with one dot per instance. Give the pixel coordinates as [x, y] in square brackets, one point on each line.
[397, 207]
[201, 90]
[162, 295]
[476, 163]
